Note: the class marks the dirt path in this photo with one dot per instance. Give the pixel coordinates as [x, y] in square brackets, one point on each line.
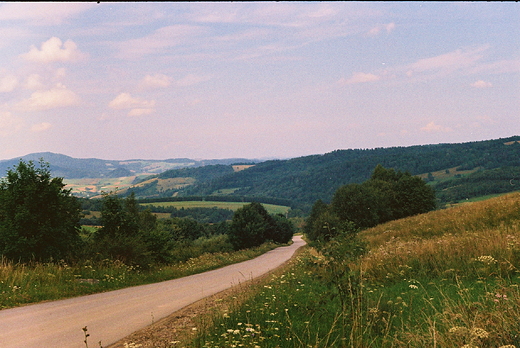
[114, 315]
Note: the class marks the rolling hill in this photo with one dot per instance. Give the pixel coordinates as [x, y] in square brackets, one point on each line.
[457, 171]
[305, 179]
[89, 177]
[80, 168]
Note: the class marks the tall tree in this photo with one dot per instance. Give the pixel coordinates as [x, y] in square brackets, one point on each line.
[249, 226]
[252, 225]
[39, 218]
[404, 194]
[357, 203]
[120, 236]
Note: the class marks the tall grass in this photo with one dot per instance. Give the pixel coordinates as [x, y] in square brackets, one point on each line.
[449, 279]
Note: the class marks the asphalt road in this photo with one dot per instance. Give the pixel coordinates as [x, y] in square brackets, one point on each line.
[114, 315]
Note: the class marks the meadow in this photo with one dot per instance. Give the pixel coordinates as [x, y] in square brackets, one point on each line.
[271, 208]
[449, 278]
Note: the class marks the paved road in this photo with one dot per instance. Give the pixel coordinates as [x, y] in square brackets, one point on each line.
[114, 315]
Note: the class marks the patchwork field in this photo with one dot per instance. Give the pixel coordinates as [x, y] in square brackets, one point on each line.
[92, 187]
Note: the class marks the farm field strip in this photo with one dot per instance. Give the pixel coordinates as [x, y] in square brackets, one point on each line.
[271, 208]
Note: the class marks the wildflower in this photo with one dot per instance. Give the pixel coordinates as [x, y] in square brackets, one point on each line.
[500, 296]
[132, 345]
[458, 330]
[413, 286]
[487, 259]
[479, 333]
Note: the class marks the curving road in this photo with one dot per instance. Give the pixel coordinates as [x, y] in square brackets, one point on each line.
[114, 315]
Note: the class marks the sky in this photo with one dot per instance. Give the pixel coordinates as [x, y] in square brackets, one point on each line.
[208, 80]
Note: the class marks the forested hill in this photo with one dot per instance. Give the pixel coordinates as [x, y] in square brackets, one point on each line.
[303, 180]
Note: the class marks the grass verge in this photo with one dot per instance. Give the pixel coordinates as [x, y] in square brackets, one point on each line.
[29, 283]
[445, 279]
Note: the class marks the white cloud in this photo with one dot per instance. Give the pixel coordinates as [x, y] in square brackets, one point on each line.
[8, 83]
[435, 128]
[140, 112]
[360, 77]
[60, 73]
[388, 28]
[450, 61]
[162, 39]
[41, 127]
[156, 81]
[56, 97]
[481, 84]
[52, 51]
[499, 67]
[126, 101]
[34, 82]
[9, 124]
[138, 106]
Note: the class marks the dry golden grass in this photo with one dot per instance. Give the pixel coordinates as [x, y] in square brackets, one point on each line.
[447, 240]
[474, 217]
[239, 167]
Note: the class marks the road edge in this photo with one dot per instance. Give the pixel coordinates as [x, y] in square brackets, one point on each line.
[182, 325]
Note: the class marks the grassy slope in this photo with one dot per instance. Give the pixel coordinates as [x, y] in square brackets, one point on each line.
[449, 278]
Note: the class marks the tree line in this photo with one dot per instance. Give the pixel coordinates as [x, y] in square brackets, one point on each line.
[40, 221]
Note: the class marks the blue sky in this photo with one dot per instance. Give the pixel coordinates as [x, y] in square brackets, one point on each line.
[255, 80]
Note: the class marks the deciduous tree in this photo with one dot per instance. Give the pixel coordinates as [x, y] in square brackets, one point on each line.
[39, 218]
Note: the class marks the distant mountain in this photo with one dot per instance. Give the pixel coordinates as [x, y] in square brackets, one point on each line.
[77, 168]
[303, 180]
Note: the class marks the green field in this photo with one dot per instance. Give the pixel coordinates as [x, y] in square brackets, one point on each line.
[271, 208]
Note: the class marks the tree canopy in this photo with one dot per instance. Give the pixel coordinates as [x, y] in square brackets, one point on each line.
[252, 225]
[387, 195]
[39, 218]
